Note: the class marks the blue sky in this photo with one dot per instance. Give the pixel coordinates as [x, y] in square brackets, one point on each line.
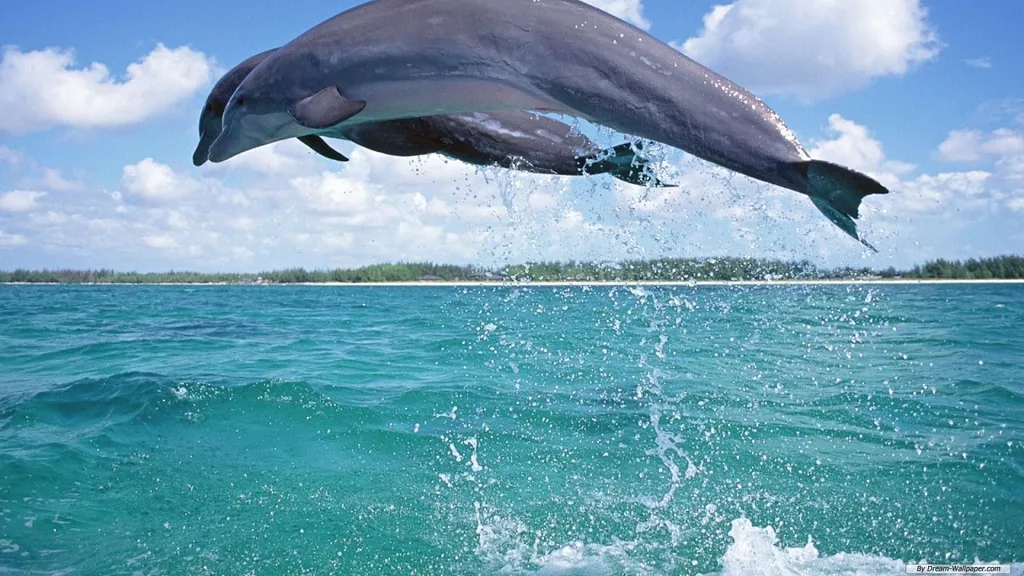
[95, 166]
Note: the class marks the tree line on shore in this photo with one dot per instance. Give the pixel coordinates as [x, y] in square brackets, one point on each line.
[666, 269]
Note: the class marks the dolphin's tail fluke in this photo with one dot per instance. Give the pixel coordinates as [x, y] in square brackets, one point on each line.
[622, 162]
[837, 192]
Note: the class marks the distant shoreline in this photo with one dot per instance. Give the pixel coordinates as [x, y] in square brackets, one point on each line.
[557, 283]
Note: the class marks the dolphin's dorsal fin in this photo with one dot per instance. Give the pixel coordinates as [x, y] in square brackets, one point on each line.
[326, 108]
[322, 148]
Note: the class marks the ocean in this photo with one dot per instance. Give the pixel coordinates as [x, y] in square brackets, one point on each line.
[844, 429]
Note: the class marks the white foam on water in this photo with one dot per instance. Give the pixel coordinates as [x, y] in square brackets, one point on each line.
[473, 458]
[508, 546]
[756, 552]
[455, 452]
[579, 558]
[449, 414]
[639, 292]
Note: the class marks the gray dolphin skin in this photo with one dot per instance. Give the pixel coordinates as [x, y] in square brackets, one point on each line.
[393, 59]
[210, 118]
[510, 139]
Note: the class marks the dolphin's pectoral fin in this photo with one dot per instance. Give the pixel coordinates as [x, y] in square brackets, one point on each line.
[317, 144]
[622, 162]
[326, 108]
[837, 192]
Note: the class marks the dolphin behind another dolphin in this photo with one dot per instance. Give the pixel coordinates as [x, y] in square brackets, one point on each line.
[394, 59]
[210, 119]
[510, 139]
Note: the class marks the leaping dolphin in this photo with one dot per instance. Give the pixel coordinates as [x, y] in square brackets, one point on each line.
[393, 59]
[510, 139]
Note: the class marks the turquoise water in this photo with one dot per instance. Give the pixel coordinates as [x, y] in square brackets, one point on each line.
[510, 430]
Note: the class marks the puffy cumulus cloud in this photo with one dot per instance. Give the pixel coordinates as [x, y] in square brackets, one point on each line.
[852, 145]
[944, 193]
[1004, 147]
[923, 216]
[160, 241]
[156, 182]
[20, 200]
[279, 158]
[813, 50]
[380, 208]
[44, 88]
[631, 11]
[961, 146]
[376, 208]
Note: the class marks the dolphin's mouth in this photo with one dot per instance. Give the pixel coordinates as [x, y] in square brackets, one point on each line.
[202, 153]
[221, 153]
[243, 132]
[228, 145]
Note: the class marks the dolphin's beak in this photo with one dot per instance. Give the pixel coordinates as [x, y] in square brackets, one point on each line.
[202, 153]
[229, 144]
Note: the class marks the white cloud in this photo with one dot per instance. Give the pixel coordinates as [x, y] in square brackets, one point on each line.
[10, 240]
[631, 11]
[853, 146]
[55, 181]
[923, 216]
[317, 213]
[984, 62]
[157, 182]
[43, 88]
[279, 158]
[813, 50]
[945, 192]
[332, 193]
[20, 200]
[1004, 142]
[243, 224]
[48, 218]
[160, 241]
[961, 146]
[52, 180]
[1004, 147]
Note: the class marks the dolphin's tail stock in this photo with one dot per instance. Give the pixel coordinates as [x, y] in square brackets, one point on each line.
[622, 162]
[837, 192]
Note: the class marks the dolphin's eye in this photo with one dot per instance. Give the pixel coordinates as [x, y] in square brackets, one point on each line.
[240, 101]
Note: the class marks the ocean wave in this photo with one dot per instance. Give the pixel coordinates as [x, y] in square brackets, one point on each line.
[753, 551]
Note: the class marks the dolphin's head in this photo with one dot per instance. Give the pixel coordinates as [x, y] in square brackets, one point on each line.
[258, 111]
[211, 118]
